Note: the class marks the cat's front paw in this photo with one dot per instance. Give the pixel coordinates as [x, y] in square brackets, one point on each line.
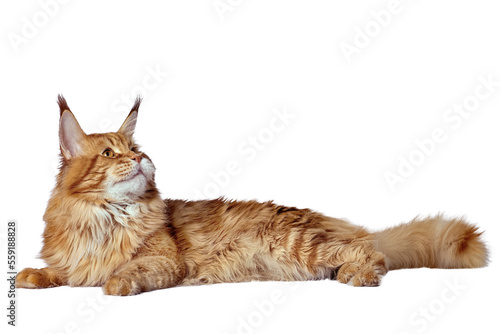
[121, 286]
[30, 278]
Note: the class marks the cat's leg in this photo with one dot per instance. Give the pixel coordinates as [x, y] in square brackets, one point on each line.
[350, 258]
[351, 253]
[356, 264]
[340, 247]
[29, 278]
[315, 246]
[145, 273]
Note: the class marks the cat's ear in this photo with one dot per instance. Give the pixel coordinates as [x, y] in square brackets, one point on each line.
[71, 134]
[128, 127]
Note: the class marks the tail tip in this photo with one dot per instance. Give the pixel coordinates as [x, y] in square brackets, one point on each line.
[467, 247]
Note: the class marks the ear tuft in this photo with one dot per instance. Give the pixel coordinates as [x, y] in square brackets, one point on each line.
[137, 103]
[128, 127]
[63, 105]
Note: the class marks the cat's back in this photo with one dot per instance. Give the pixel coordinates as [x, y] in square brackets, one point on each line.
[217, 216]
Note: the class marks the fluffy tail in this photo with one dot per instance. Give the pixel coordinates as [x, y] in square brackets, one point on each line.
[432, 242]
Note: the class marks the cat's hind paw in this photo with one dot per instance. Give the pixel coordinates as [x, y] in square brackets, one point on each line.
[366, 277]
[356, 275]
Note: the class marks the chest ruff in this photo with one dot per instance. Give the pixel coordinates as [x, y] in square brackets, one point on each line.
[88, 241]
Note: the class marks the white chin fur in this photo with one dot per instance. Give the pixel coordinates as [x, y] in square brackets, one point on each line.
[136, 186]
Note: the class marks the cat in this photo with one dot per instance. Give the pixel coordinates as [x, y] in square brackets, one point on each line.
[106, 225]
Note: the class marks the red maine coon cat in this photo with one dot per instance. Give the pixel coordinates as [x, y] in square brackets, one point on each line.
[106, 225]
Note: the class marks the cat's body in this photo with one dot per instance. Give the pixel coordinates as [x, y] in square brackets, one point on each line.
[106, 225]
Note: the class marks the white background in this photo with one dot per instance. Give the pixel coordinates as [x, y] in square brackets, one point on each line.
[226, 74]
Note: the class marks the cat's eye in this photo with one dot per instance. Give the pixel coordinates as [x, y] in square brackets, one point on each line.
[135, 149]
[108, 153]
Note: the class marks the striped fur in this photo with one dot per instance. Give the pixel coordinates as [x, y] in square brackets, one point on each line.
[106, 225]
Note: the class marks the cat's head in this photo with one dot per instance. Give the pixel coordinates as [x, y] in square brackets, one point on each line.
[106, 166]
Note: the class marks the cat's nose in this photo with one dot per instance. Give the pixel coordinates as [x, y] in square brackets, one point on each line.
[137, 158]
